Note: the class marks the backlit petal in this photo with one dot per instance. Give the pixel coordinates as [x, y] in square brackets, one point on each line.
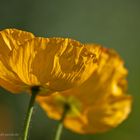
[9, 40]
[103, 116]
[108, 78]
[103, 98]
[56, 62]
[9, 80]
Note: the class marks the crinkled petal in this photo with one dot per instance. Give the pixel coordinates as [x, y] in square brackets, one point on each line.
[108, 79]
[102, 117]
[102, 97]
[59, 63]
[9, 80]
[97, 118]
[9, 40]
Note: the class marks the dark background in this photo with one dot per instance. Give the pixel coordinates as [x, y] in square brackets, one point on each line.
[113, 23]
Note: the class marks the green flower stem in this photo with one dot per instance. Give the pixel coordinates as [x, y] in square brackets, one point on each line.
[60, 125]
[34, 91]
[59, 131]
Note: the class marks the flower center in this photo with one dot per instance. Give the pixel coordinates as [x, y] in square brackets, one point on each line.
[69, 104]
[35, 89]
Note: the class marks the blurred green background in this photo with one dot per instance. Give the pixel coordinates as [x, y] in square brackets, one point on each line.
[113, 23]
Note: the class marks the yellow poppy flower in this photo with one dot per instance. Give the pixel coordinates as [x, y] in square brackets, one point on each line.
[97, 105]
[55, 64]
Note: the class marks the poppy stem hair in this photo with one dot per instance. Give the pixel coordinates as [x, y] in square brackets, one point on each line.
[60, 125]
[34, 91]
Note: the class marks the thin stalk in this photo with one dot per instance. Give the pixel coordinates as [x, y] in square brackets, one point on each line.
[60, 125]
[59, 131]
[34, 91]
